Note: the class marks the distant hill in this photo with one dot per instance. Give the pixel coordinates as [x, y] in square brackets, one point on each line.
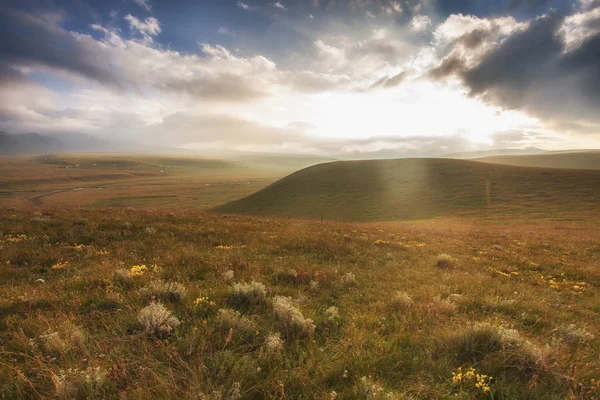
[493, 153]
[274, 161]
[573, 160]
[28, 143]
[379, 190]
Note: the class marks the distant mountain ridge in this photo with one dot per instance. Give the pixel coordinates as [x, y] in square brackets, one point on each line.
[493, 153]
[35, 144]
[582, 159]
[28, 143]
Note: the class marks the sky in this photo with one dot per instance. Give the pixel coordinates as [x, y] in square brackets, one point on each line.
[343, 78]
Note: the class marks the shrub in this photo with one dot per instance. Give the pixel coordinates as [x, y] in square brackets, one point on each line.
[444, 261]
[234, 393]
[168, 291]
[348, 279]
[273, 344]
[573, 335]
[291, 317]
[369, 390]
[477, 341]
[440, 306]
[79, 383]
[248, 293]
[401, 301]
[231, 319]
[227, 276]
[157, 320]
[332, 314]
[67, 337]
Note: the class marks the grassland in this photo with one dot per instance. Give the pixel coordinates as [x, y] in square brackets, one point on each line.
[384, 190]
[117, 180]
[568, 159]
[374, 311]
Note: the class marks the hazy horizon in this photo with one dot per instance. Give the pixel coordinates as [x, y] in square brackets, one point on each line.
[344, 79]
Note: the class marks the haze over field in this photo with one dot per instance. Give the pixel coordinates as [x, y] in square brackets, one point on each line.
[342, 79]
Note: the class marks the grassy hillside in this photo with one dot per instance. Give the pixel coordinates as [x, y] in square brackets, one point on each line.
[278, 309]
[423, 188]
[573, 160]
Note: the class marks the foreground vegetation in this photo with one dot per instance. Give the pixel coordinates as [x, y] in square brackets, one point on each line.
[163, 304]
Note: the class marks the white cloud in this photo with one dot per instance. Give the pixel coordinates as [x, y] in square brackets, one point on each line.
[150, 27]
[279, 5]
[145, 4]
[457, 25]
[579, 27]
[243, 6]
[420, 23]
[225, 31]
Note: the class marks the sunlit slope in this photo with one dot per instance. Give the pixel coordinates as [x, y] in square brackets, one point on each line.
[573, 160]
[380, 190]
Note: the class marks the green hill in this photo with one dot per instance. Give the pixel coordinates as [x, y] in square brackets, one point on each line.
[380, 190]
[573, 160]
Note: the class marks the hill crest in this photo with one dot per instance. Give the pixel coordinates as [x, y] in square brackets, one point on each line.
[379, 190]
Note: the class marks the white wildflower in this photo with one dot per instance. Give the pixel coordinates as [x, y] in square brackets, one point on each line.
[291, 317]
[273, 344]
[156, 319]
[227, 276]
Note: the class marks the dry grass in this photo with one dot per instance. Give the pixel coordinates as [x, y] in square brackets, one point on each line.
[338, 317]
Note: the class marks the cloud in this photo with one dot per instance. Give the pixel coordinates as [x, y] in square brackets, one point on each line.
[119, 63]
[279, 5]
[227, 131]
[149, 28]
[243, 6]
[48, 46]
[225, 31]
[145, 4]
[420, 23]
[390, 81]
[547, 69]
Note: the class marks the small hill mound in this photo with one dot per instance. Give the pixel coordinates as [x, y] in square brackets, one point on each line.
[379, 190]
[572, 160]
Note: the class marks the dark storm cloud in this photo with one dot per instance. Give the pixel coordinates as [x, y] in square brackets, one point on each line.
[10, 76]
[592, 4]
[516, 64]
[476, 37]
[451, 65]
[28, 40]
[533, 71]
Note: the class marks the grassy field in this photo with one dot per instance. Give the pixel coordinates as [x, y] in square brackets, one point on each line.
[570, 159]
[137, 180]
[425, 188]
[139, 304]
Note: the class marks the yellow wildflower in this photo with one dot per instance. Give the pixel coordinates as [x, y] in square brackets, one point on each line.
[138, 270]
